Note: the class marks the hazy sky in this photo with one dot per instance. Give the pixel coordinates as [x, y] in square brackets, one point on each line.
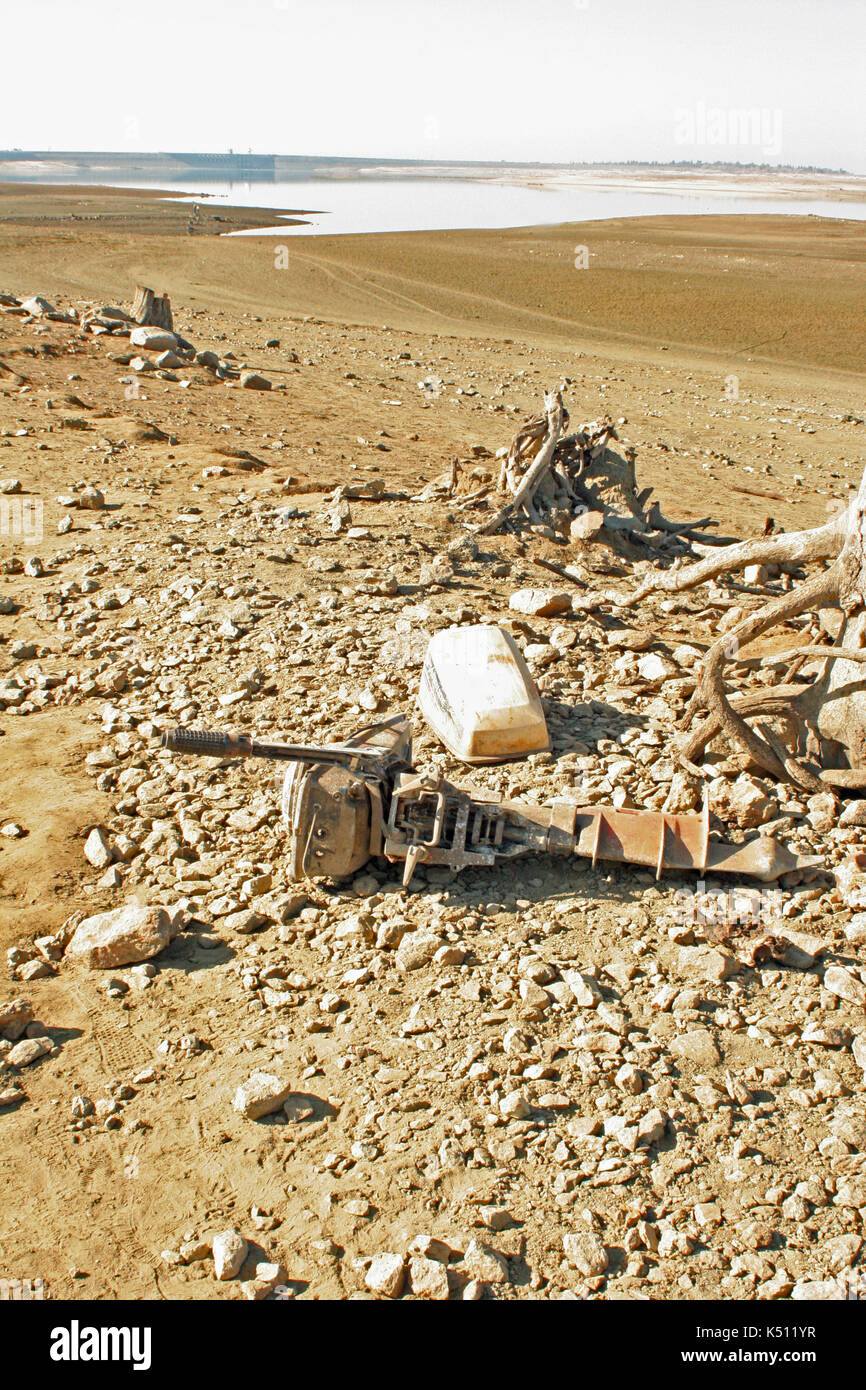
[554, 80]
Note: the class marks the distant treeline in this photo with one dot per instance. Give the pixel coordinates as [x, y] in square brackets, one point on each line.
[285, 165]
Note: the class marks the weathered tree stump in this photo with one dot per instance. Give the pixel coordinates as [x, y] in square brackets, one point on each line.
[555, 479]
[152, 310]
[544, 436]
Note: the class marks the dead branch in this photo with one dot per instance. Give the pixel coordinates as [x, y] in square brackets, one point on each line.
[569, 574]
[658, 522]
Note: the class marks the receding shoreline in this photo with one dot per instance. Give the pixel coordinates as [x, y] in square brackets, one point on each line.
[784, 290]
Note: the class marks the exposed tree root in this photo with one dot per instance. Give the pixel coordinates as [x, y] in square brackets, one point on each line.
[710, 693]
[795, 547]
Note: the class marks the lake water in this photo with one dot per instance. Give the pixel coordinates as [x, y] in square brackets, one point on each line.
[399, 205]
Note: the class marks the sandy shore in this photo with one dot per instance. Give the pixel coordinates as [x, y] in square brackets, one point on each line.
[746, 183]
[785, 290]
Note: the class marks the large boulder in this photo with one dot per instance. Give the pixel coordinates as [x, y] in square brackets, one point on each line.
[154, 339]
[121, 937]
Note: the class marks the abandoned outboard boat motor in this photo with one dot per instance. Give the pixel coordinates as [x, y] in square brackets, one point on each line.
[345, 803]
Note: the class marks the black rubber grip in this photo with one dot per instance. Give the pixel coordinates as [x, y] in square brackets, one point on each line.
[200, 741]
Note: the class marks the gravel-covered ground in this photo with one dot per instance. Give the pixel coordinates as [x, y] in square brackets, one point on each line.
[533, 1081]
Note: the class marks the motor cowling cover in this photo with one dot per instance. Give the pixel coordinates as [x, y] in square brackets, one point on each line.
[327, 812]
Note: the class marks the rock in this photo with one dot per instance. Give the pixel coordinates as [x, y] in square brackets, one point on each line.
[486, 1264]
[817, 1290]
[850, 878]
[858, 1049]
[268, 1277]
[540, 653]
[742, 802]
[514, 1107]
[192, 1251]
[35, 970]
[803, 949]
[167, 360]
[823, 811]
[697, 1047]
[655, 669]
[533, 996]
[825, 1036]
[706, 963]
[91, 499]
[439, 570]
[229, 1253]
[153, 339]
[254, 381]
[584, 988]
[428, 1278]
[246, 921]
[97, 850]
[842, 1251]
[855, 931]
[629, 1079]
[756, 574]
[496, 1218]
[358, 925]
[11, 1095]
[585, 1253]
[845, 985]
[110, 311]
[651, 1127]
[854, 814]
[430, 1248]
[124, 936]
[586, 525]
[386, 1275]
[261, 1094]
[415, 950]
[540, 603]
[14, 1018]
[683, 795]
[28, 1051]
[450, 955]
[206, 358]
[38, 306]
